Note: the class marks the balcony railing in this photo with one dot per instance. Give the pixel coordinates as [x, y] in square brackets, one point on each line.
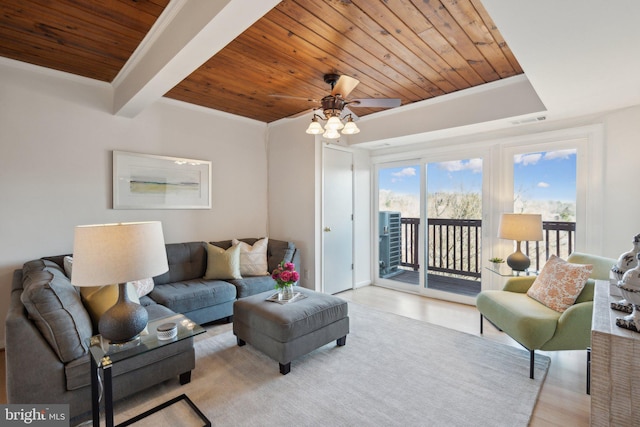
[559, 239]
[454, 245]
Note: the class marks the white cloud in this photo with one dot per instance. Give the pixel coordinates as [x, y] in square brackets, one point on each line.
[405, 172]
[527, 159]
[543, 185]
[452, 166]
[474, 165]
[559, 154]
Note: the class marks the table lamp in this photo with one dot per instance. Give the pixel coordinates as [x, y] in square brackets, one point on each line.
[520, 227]
[107, 254]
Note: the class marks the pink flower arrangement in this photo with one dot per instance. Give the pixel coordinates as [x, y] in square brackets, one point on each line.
[285, 274]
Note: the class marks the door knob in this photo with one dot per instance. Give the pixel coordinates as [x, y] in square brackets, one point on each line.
[327, 229]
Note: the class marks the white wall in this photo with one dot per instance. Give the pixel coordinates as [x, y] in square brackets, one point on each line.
[621, 197]
[294, 191]
[295, 199]
[56, 140]
[362, 217]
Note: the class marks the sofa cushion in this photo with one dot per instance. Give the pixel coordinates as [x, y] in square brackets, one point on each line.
[56, 308]
[222, 263]
[186, 261]
[253, 285]
[183, 297]
[253, 258]
[516, 313]
[559, 283]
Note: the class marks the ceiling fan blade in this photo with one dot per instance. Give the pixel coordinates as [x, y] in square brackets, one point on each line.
[301, 98]
[344, 86]
[375, 103]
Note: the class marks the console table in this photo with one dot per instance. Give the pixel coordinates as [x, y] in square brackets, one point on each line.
[615, 364]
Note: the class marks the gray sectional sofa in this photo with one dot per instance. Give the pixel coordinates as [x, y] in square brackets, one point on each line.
[47, 325]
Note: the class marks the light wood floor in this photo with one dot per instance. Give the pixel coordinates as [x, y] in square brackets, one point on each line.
[563, 400]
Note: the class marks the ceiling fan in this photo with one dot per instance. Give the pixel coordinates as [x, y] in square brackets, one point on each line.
[341, 87]
[334, 105]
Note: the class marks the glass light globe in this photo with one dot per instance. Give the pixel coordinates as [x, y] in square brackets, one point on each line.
[350, 128]
[331, 134]
[314, 128]
[334, 123]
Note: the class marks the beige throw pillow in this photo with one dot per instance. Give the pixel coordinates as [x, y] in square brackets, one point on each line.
[559, 283]
[223, 264]
[143, 287]
[253, 259]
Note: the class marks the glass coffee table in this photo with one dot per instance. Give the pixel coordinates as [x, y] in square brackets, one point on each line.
[104, 355]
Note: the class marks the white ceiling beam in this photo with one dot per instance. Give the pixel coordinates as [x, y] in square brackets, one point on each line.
[187, 34]
[495, 103]
[579, 55]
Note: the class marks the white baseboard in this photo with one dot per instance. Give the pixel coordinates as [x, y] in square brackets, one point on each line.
[362, 284]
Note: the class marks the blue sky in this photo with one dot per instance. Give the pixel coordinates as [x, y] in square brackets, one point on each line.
[546, 175]
[539, 176]
[403, 180]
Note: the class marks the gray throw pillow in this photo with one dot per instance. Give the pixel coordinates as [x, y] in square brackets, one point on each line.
[55, 306]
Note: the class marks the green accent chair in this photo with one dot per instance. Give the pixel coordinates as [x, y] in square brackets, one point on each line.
[534, 325]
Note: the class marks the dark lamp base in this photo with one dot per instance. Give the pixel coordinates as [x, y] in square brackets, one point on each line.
[518, 261]
[124, 321]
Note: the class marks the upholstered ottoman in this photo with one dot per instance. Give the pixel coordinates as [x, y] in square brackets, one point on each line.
[287, 331]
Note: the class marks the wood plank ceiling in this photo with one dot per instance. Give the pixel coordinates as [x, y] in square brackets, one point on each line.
[408, 49]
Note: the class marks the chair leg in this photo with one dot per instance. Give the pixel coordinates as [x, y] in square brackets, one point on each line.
[532, 360]
[481, 323]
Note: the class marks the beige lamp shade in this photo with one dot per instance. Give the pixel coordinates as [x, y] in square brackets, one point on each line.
[108, 254]
[520, 227]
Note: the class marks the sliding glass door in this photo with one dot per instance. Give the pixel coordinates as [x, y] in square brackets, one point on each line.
[429, 223]
[453, 244]
[398, 224]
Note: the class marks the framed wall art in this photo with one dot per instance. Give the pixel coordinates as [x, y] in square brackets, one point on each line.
[145, 181]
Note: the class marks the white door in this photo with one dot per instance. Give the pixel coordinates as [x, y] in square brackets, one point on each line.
[337, 215]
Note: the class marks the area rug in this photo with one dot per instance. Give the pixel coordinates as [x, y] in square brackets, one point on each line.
[393, 371]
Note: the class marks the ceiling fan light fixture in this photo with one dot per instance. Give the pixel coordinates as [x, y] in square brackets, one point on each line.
[350, 128]
[331, 134]
[315, 128]
[334, 123]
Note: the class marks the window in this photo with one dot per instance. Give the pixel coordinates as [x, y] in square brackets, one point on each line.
[544, 183]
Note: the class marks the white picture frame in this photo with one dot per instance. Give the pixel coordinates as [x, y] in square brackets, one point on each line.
[146, 181]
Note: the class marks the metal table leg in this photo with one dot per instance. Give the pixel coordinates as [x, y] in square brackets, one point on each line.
[95, 393]
[108, 396]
